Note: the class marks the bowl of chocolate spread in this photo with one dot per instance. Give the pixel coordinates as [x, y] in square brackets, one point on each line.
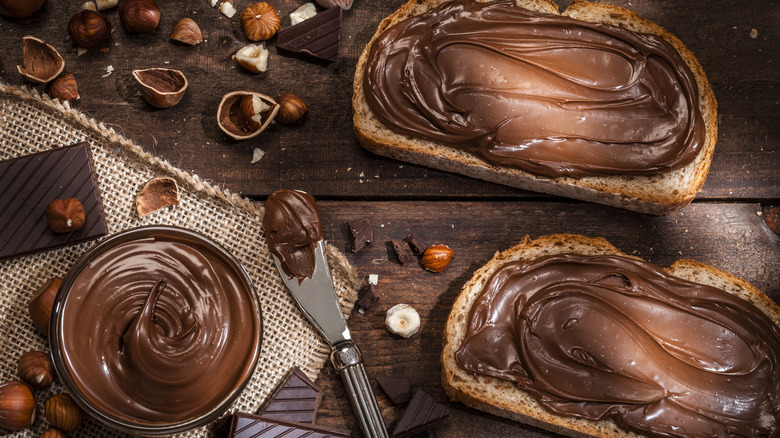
[156, 330]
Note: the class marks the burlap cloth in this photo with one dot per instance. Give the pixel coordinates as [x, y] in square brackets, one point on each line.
[30, 122]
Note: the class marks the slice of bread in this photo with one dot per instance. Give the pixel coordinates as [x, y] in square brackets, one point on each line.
[503, 397]
[659, 194]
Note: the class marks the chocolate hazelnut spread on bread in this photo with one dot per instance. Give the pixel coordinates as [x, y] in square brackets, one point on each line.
[293, 228]
[547, 94]
[611, 337]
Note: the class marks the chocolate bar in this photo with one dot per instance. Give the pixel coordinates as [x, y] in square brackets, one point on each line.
[30, 183]
[318, 36]
[256, 426]
[421, 413]
[296, 399]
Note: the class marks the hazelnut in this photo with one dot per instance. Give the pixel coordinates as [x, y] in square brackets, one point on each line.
[436, 258]
[139, 16]
[253, 58]
[63, 413]
[303, 13]
[161, 87]
[260, 21]
[36, 369]
[227, 9]
[291, 108]
[41, 303]
[65, 215]
[89, 28]
[233, 120]
[187, 31]
[17, 406]
[402, 320]
[89, 6]
[19, 8]
[65, 88]
[343, 4]
[105, 4]
[53, 433]
[157, 194]
[42, 62]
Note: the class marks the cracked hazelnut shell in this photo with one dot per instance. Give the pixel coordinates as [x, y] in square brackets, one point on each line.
[260, 21]
[157, 194]
[88, 28]
[161, 87]
[139, 16]
[42, 62]
[230, 122]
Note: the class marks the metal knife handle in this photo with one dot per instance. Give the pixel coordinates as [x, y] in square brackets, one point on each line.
[347, 360]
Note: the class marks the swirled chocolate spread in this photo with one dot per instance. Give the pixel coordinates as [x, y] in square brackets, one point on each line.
[159, 330]
[612, 337]
[544, 93]
[293, 228]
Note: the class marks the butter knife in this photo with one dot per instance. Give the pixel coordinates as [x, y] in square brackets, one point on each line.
[316, 297]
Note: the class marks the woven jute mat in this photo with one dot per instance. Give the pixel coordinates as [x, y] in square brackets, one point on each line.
[31, 122]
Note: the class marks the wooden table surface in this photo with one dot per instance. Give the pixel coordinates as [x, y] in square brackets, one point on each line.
[736, 42]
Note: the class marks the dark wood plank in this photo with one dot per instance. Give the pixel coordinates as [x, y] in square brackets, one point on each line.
[320, 154]
[730, 237]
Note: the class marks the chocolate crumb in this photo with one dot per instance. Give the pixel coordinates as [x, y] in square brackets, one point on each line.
[403, 251]
[397, 388]
[368, 298]
[416, 244]
[360, 233]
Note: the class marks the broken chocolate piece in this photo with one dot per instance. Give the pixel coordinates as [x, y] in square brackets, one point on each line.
[296, 399]
[30, 183]
[368, 298]
[318, 36]
[416, 244]
[397, 388]
[403, 251]
[422, 413]
[360, 233]
[255, 426]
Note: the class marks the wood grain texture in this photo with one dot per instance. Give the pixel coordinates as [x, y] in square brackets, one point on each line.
[320, 153]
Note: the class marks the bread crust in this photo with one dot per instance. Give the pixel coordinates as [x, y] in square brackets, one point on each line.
[503, 398]
[656, 195]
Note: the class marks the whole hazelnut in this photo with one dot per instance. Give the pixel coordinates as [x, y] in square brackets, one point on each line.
[291, 108]
[88, 28]
[19, 8]
[436, 258]
[41, 303]
[260, 21]
[65, 88]
[65, 215]
[53, 433]
[17, 406]
[187, 31]
[36, 369]
[139, 16]
[63, 413]
[251, 110]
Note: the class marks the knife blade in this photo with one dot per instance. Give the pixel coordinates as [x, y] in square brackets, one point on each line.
[317, 299]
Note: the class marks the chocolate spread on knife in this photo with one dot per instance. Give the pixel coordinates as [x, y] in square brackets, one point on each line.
[293, 228]
[544, 93]
[159, 330]
[604, 337]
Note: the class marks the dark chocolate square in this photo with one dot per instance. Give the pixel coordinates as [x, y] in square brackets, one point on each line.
[402, 251]
[296, 399]
[421, 413]
[253, 426]
[367, 297]
[360, 234]
[318, 37]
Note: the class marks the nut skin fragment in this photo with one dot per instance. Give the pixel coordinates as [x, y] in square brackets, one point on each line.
[402, 320]
[41, 303]
[291, 108]
[157, 194]
[65, 215]
[436, 258]
[187, 31]
[260, 21]
[63, 413]
[65, 88]
[161, 87]
[139, 16]
[17, 405]
[88, 28]
[36, 369]
[42, 62]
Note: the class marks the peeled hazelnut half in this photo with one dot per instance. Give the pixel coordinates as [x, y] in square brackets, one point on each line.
[234, 119]
[157, 194]
[42, 62]
[187, 31]
[161, 87]
[253, 58]
[65, 88]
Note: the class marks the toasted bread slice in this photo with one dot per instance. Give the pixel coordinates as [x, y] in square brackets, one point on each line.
[504, 398]
[659, 194]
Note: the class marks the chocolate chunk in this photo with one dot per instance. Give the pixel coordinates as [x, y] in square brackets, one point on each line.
[397, 388]
[416, 244]
[360, 233]
[403, 251]
[367, 298]
[255, 426]
[422, 413]
[296, 399]
[318, 36]
[30, 183]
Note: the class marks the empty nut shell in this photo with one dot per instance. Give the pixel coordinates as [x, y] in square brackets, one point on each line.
[260, 21]
[161, 87]
[65, 88]
[187, 31]
[42, 62]
[88, 28]
[63, 413]
[230, 122]
[139, 16]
